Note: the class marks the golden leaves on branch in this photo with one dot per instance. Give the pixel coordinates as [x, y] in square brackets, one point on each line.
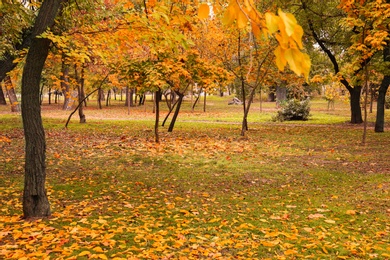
[283, 26]
[289, 34]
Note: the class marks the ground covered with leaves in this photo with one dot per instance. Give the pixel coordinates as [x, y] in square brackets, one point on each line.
[285, 191]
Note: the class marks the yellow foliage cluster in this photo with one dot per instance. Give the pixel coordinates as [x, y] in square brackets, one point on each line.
[284, 26]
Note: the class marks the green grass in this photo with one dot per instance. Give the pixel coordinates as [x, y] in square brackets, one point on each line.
[284, 191]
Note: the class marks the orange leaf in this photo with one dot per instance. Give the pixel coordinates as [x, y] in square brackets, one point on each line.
[204, 11]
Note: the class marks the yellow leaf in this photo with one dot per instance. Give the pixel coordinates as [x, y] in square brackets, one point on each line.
[297, 35]
[280, 60]
[293, 57]
[242, 20]
[203, 11]
[98, 249]
[84, 253]
[248, 5]
[289, 22]
[351, 212]
[272, 22]
[330, 221]
[231, 13]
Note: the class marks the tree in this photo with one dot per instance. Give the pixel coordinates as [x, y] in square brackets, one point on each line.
[35, 201]
[380, 112]
[283, 27]
[15, 22]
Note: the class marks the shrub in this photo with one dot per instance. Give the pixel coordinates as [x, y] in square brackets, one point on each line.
[293, 110]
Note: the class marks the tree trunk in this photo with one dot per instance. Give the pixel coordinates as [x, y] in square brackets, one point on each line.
[246, 112]
[356, 111]
[179, 101]
[157, 96]
[35, 201]
[380, 110]
[2, 97]
[129, 97]
[81, 95]
[169, 112]
[204, 101]
[380, 113]
[108, 97]
[65, 85]
[99, 97]
[13, 99]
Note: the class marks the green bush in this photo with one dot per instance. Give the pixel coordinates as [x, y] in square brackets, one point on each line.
[293, 110]
[387, 102]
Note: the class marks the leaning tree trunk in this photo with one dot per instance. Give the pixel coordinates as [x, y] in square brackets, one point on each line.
[35, 201]
[356, 111]
[179, 101]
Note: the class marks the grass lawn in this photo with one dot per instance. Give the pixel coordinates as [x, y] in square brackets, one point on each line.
[289, 190]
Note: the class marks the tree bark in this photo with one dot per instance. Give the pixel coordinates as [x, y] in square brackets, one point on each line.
[380, 110]
[13, 99]
[356, 111]
[157, 96]
[81, 95]
[35, 201]
[2, 97]
[179, 101]
[65, 85]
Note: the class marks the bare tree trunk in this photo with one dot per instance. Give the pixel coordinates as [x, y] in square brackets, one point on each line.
[65, 85]
[380, 111]
[2, 97]
[179, 101]
[246, 112]
[35, 201]
[204, 101]
[13, 99]
[197, 98]
[356, 111]
[108, 97]
[81, 95]
[157, 96]
[169, 112]
[100, 97]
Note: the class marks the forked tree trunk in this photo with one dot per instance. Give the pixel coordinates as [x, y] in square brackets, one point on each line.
[179, 101]
[244, 127]
[35, 201]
